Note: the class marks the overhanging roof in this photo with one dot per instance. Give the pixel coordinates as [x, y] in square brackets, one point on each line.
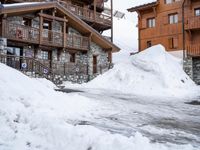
[74, 20]
[143, 7]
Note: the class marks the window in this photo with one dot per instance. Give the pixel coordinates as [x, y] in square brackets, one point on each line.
[171, 1]
[168, 1]
[44, 55]
[149, 44]
[27, 21]
[151, 22]
[72, 57]
[173, 42]
[197, 12]
[173, 18]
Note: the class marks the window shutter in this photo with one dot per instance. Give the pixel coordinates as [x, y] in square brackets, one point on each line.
[144, 23]
[175, 42]
[165, 20]
[170, 43]
[179, 16]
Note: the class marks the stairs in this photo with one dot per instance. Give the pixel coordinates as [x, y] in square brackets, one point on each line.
[29, 66]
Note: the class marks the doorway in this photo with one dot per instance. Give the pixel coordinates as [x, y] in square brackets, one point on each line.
[14, 57]
[94, 64]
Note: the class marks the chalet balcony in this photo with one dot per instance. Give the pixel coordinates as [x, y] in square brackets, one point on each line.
[88, 14]
[193, 49]
[27, 34]
[192, 23]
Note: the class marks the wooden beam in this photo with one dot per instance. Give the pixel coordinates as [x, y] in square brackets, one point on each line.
[64, 32]
[41, 28]
[53, 17]
[154, 11]
[95, 9]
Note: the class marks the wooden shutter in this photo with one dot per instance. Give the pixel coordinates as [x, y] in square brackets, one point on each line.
[179, 16]
[175, 42]
[170, 43]
[144, 23]
[165, 20]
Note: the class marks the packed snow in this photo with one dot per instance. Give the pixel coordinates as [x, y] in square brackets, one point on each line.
[34, 116]
[152, 72]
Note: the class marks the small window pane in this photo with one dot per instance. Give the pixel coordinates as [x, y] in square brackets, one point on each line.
[168, 1]
[197, 12]
[151, 22]
[173, 18]
[44, 55]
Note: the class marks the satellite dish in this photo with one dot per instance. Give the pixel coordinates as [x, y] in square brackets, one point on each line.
[116, 14]
[119, 15]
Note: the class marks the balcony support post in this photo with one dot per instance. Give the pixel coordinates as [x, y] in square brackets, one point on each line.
[112, 32]
[41, 28]
[95, 9]
[4, 25]
[64, 33]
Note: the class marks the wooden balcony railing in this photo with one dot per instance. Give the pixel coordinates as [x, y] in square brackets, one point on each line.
[192, 23]
[27, 65]
[49, 38]
[77, 41]
[193, 49]
[87, 14]
[21, 32]
[52, 38]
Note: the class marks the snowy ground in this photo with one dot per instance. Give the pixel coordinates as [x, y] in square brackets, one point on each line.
[164, 120]
[33, 116]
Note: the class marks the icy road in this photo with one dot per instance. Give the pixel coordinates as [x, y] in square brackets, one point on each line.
[163, 120]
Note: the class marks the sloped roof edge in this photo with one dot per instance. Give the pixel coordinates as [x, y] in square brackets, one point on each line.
[143, 7]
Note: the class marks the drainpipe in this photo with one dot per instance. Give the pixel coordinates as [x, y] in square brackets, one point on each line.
[183, 30]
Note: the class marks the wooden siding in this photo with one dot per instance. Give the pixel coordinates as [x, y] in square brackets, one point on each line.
[164, 32]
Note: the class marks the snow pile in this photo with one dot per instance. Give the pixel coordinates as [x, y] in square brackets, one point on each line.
[150, 72]
[34, 116]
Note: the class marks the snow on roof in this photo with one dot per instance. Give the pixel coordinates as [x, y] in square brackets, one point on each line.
[21, 4]
[145, 4]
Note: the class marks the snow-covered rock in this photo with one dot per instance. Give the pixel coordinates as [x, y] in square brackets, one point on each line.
[150, 72]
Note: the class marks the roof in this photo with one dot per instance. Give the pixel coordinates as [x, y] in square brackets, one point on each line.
[144, 6]
[73, 19]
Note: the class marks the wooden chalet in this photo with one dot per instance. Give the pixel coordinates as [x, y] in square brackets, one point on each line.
[176, 25]
[56, 38]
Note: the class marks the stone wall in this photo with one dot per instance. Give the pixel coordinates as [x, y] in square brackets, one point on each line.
[188, 66]
[102, 59]
[196, 70]
[83, 60]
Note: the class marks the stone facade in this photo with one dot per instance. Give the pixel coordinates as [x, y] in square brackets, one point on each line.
[79, 71]
[196, 70]
[192, 68]
[188, 66]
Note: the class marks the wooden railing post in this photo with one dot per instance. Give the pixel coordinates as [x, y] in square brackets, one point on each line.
[64, 33]
[41, 28]
[95, 9]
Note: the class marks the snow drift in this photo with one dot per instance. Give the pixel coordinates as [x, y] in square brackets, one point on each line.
[34, 116]
[150, 72]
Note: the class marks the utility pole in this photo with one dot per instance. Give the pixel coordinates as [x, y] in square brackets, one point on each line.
[111, 3]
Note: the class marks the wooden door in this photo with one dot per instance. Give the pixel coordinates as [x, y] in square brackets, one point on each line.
[94, 64]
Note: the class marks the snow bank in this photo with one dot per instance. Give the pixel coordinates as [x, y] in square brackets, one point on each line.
[34, 116]
[150, 72]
